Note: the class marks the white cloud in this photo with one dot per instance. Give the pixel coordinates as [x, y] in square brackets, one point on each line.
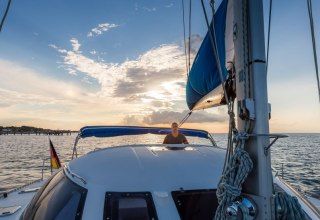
[74, 61]
[149, 9]
[21, 84]
[159, 74]
[31, 97]
[135, 88]
[75, 44]
[132, 120]
[167, 117]
[169, 5]
[86, 80]
[100, 29]
[93, 52]
[58, 49]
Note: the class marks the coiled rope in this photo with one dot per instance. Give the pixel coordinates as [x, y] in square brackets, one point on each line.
[288, 207]
[230, 184]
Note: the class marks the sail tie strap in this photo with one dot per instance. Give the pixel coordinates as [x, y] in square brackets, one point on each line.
[230, 184]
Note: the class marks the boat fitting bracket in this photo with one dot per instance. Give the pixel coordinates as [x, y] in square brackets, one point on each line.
[246, 109]
[275, 136]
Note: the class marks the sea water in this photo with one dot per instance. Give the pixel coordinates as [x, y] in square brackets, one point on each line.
[297, 158]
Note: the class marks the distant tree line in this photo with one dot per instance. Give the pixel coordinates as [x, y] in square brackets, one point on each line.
[31, 130]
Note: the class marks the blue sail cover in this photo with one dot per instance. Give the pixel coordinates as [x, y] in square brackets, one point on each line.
[204, 74]
[113, 131]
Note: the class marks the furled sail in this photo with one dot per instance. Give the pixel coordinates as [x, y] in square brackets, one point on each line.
[204, 88]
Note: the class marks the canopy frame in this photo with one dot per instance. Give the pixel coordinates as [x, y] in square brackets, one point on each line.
[114, 131]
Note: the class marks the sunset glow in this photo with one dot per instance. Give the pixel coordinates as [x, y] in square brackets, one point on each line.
[119, 64]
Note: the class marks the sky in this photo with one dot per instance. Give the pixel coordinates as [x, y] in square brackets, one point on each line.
[68, 64]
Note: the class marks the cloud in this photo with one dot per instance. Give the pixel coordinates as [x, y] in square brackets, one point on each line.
[169, 5]
[107, 74]
[100, 29]
[149, 9]
[195, 43]
[136, 7]
[158, 74]
[29, 96]
[154, 81]
[86, 80]
[161, 117]
[75, 44]
[161, 104]
[132, 120]
[25, 84]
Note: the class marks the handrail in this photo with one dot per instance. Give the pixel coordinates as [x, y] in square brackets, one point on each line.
[42, 168]
[67, 168]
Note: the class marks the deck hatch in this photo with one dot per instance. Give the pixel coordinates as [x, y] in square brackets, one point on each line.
[129, 205]
[196, 204]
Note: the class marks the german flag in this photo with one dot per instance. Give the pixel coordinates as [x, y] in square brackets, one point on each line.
[55, 162]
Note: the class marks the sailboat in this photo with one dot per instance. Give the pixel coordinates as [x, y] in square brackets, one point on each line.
[193, 181]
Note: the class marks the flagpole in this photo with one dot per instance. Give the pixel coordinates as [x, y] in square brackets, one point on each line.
[50, 155]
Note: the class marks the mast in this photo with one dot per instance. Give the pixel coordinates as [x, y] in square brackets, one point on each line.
[253, 107]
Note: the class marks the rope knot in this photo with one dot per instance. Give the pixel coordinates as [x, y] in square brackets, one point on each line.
[231, 189]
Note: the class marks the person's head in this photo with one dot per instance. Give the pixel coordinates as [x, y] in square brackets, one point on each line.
[174, 127]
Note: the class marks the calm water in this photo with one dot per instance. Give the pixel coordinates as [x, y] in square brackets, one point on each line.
[21, 157]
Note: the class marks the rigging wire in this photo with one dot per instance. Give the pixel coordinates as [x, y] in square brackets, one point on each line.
[187, 57]
[309, 2]
[184, 38]
[269, 28]
[189, 43]
[228, 100]
[184, 119]
[5, 15]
